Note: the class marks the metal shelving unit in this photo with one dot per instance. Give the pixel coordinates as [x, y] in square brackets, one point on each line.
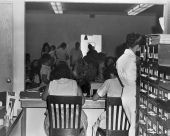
[153, 103]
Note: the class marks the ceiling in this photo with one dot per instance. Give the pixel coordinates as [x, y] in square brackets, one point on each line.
[90, 8]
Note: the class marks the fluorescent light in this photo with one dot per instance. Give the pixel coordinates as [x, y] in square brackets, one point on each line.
[139, 8]
[57, 7]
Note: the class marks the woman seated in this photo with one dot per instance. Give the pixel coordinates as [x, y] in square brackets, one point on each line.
[109, 63]
[112, 88]
[64, 86]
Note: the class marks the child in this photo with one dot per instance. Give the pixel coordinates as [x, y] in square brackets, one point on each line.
[112, 88]
[45, 69]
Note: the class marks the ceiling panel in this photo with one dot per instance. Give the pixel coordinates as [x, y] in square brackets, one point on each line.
[90, 8]
[95, 8]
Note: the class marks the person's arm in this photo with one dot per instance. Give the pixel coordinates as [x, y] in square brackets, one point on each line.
[44, 79]
[101, 91]
[79, 93]
[96, 97]
[45, 94]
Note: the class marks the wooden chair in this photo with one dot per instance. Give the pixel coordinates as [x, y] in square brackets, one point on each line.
[64, 115]
[117, 123]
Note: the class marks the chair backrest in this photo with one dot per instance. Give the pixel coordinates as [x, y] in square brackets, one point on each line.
[64, 115]
[117, 123]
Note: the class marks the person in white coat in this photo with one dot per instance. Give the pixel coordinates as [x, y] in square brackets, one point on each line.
[127, 71]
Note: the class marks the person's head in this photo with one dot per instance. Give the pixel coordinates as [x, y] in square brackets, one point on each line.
[46, 59]
[27, 58]
[62, 71]
[35, 66]
[77, 45]
[110, 61]
[63, 45]
[90, 47]
[35, 63]
[133, 41]
[46, 47]
[52, 48]
[111, 72]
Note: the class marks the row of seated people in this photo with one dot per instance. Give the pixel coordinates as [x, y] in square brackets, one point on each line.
[84, 71]
[63, 84]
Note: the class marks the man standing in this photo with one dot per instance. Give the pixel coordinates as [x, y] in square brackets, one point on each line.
[75, 54]
[127, 71]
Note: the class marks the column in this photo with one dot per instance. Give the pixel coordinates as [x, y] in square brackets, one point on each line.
[166, 15]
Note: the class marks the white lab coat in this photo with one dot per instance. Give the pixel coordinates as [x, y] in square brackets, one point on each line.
[126, 67]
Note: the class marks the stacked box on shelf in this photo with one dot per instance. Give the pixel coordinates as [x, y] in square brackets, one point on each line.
[164, 108]
[154, 88]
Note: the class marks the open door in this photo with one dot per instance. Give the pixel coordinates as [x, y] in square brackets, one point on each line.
[94, 40]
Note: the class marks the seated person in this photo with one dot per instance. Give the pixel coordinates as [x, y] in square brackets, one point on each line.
[64, 86]
[112, 88]
[80, 72]
[109, 63]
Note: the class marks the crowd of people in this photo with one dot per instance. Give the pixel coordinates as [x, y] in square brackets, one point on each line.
[119, 76]
[92, 67]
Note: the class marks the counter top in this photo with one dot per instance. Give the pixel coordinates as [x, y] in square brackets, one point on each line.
[39, 103]
[6, 131]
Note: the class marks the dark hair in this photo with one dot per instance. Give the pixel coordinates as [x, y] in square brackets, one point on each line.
[90, 47]
[133, 39]
[62, 45]
[35, 60]
[45, 58]
[46, 44]
[61, 71]
[52, 47]
[77, 43]
[108, 58]
[109, 70]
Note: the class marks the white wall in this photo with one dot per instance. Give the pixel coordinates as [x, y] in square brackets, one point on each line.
[68, 28]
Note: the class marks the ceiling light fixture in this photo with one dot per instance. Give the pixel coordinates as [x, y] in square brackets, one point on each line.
[57, 7]
[139, 8]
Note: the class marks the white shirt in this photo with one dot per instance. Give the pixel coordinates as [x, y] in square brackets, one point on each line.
[76, 55]
[111, 87]
[126, 67]
[63, 87]
[45, 70]
[61, 54]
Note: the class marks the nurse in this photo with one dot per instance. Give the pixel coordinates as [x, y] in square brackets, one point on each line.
[127, 71]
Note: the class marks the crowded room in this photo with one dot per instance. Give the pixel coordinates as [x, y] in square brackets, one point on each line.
[85, 68]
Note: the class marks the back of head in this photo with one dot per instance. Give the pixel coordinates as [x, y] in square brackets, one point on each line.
[62, 71]
[27, 58]
[110, 61]
[134, 39]
[90, 47]
[110, 70]
[63, 45]
[77, 45]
